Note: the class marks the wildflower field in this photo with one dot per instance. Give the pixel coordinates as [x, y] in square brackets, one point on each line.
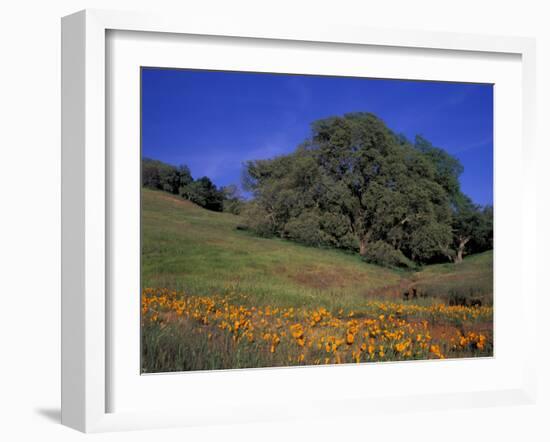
[187, 332]
[214, 297]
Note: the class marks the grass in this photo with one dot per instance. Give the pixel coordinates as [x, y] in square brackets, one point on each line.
[471, 280]
[185, 247]
[217, 297]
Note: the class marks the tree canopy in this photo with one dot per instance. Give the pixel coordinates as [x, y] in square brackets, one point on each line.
[356, 185]
[472, 229]
[204, 193]
[158, 175]
[178, 180]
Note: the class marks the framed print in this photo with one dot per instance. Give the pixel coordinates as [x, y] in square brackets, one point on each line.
[345, 246]
[255, 214]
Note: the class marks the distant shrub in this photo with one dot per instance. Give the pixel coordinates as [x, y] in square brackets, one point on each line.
[203, 193]
[161, 176]
[234, 206]
[233, 202]
[258, 220]
[384, 254]
[305, 229]
[336, 231]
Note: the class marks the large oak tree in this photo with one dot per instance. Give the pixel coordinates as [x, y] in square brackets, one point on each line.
[353, 184]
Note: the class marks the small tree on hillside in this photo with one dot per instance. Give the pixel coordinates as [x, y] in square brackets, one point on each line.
[185, 177]
[204, 193]
[161, 176]
[232, 199]
[472, 229]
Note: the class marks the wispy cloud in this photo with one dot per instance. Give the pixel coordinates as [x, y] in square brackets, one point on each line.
[223, 165]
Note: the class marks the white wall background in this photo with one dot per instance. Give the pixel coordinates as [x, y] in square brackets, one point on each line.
[30, 214]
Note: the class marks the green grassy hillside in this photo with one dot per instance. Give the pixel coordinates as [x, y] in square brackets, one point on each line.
[473, 279]
[188, 248]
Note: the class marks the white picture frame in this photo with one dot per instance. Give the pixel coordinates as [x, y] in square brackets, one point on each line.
[86, 205]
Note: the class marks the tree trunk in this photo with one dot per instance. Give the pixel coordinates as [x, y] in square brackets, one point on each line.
[460, 251]
[362, 247]
[446, 251]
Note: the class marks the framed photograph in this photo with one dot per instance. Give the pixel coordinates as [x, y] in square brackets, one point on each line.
[276, 222]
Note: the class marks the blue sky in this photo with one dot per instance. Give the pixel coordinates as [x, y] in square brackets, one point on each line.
[213, 121]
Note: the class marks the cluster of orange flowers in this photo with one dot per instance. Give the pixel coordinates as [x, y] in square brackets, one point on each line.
[441, 312]
[380, 331]
[469, 340]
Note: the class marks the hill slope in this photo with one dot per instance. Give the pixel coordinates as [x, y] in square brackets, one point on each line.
[473, 279]
[188, 248]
